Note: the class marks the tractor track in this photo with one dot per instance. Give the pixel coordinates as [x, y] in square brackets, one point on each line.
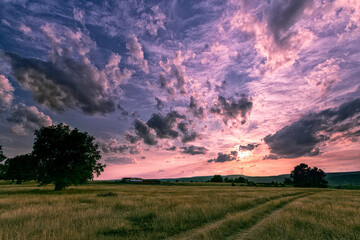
[239, 221]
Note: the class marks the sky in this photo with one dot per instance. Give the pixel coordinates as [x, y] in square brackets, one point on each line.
[187, 88]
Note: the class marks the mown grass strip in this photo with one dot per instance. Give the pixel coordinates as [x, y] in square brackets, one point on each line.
[233, 223]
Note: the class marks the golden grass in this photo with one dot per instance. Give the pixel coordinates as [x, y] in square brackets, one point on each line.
[107, 211]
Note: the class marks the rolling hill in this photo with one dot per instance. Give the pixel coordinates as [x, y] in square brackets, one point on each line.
[334, 179]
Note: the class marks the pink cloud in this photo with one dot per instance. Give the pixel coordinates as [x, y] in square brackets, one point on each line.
[136, 53]
[6, 93]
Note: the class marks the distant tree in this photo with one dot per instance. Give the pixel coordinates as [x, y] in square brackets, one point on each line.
[288, 181]
[305, 176]
[216, 178]
[20, 168]
[2, 164]
[240, 180]
[65, 157]
[226, 179]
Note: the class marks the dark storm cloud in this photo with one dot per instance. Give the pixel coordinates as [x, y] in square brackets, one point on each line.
[120, 160]
[190, 137]
[234, 153]
[223, 157]
[283, 15]
[187, 135]
[144, 131]
[173, 148]
[159, 103]
[194, 150]
[183, 127]
[196, 110]
[248, 147]
[112, 146]
[134, 150]
[271, 157]
[131, 138]
[63, 83]
[302, 137]
[231, 109]
[164, 125]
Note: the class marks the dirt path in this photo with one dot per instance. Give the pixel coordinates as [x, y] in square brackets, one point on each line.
[238, 222]
[246, 233]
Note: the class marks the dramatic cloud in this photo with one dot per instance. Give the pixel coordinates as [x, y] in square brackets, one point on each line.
[223, 157]
[120, 160]
[277, 37]
[173, 148]
[187, 135]
[324, 75]
[112, 146]
[69, 80]
[181, 80]
[231, 109]
[191, 77]
[271, 157]
[164, 125]
[165, 84]
[131, 138]
[190, 137]
[27, 119]
[174, 69]
[194, 150]
[6, 93]
[248, 147]
[303, 136]
[134, 150]
[144, 131]
[283, 15]
[154, 22]
[196, 110]
[159, 103]
[136, 53]
[53, 84]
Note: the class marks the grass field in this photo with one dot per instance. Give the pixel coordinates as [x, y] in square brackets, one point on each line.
[110, 211]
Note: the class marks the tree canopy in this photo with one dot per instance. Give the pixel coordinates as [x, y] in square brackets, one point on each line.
[65, 157]
[20, 168]
[216, 178]
[305, 176]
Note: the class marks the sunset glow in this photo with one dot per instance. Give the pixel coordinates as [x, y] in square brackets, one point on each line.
[187, 88]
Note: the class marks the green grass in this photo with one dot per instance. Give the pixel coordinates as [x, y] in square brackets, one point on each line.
[212, 211]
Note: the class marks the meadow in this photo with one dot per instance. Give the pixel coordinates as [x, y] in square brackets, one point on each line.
[209, 211]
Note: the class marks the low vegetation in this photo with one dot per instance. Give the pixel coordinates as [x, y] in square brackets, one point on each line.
[213, 211]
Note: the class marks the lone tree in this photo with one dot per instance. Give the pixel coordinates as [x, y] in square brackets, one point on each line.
[20, 168]
[216, 178]
[65, 157]
[305, 176]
